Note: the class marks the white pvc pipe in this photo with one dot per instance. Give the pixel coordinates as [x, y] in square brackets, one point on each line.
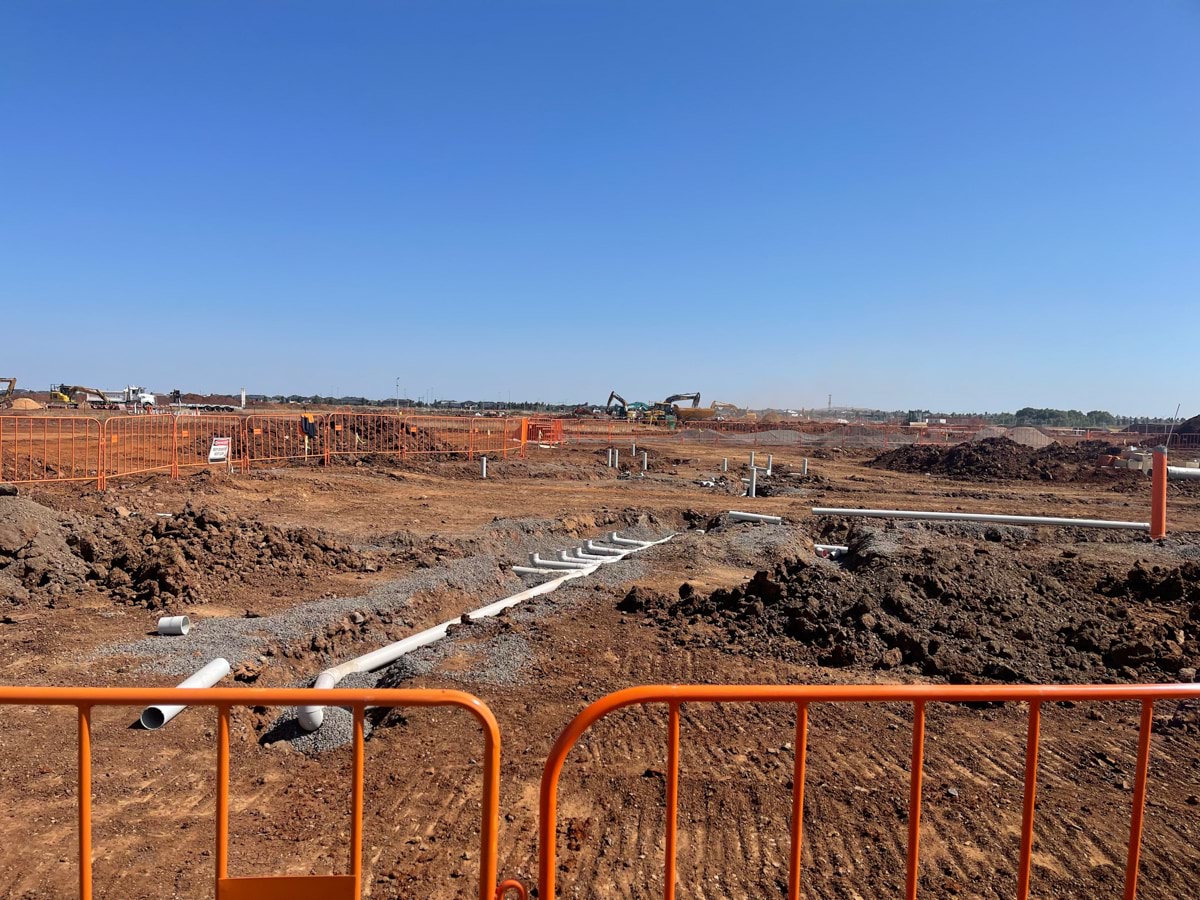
[753, 492]
[616, 458]
[615, 538]
[593, 547]
[752, 459]
[174, 625]
[770, 462]
[725, 464]
[1181, 473]
[831, 548]
[311, 717]
[646, 462]
[483, 467]
[804, 468]
[977, 517]
[735, 516]
[155, 717]
[530, 570]
[536, 560]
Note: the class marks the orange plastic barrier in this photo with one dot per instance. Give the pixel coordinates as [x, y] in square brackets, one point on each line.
[324, 887]
[802, 696]
[65, 448]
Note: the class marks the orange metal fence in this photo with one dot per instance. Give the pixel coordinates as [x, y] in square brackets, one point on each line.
[65, 448]
[802, 697]
[306, 887]
[279, 438]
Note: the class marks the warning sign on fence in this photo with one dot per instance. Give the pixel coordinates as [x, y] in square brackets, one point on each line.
[219, 451]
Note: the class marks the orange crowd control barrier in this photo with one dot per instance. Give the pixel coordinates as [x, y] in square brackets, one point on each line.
[294, 887]
[43, 449]
[802, 697]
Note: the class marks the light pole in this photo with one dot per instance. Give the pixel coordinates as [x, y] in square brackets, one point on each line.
[397, 396]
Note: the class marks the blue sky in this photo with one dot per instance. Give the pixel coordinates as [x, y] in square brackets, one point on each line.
[956, 205]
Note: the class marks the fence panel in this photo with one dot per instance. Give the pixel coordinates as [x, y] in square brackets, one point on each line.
[136, 444]
[275, 438]
[801, 697]
[359, 433]
[437, 435]
[194, 436]
[59, 448]
[495, 436]
[332, 887]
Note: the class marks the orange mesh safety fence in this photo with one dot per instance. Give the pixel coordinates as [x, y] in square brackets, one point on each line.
[276, 438]
[801, 697]
[308, 887]
[63, 448]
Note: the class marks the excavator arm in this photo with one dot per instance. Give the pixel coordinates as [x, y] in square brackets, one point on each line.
[695, 398]
[615, 396]
[7, 394]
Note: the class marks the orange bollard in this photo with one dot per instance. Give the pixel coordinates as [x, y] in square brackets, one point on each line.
[1158, 495]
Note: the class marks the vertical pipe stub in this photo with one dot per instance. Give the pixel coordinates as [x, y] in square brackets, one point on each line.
[483, 467]
[753, 492]
[1158, 494]
[645, 461]
[725, 464]
[770, 462]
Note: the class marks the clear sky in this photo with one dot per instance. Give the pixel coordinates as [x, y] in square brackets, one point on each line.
[955, 205]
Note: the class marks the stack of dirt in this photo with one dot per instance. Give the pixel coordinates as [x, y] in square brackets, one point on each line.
[34, 556]
[999, 459]
[189, 557]
[963, 612]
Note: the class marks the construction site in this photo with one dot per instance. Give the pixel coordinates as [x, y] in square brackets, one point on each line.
[626, 653]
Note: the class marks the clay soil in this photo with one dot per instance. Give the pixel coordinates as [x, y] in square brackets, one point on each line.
[83, 577]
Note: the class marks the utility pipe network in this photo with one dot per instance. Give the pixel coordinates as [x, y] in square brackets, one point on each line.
[977, 517]
[311, 717]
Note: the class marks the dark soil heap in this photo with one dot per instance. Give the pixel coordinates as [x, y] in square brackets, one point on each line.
[963, 611]
[999, 459]
[191, 557]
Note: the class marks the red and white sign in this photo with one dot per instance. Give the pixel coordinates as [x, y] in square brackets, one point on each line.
[219, 451]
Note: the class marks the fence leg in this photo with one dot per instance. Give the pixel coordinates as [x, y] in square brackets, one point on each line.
[85, 803]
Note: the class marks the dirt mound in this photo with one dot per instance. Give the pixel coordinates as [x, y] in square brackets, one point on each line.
[999, 459]
[158, 562]
[940, 607]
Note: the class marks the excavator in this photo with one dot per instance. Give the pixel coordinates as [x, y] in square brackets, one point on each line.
[669, 409]
[6, 398]
[98, 399]
[622, 410]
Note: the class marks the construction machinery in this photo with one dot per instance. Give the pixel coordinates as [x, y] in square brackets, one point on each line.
[6, 398]
[98, 399]
[622, 410]
[672, 412]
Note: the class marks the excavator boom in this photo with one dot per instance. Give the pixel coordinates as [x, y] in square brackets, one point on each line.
[695, 398]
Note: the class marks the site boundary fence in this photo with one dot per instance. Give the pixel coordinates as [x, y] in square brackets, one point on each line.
[35, 449]
[299, 887]
[44, 449]
[802, 697]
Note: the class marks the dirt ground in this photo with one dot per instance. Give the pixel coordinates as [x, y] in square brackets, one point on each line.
[290, 570]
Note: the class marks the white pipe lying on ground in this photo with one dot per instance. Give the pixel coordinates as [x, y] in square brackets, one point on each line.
[593, 547]
[831, 548]
[536, 560]
[530, 570]
[154, 717]
[977, 517]
[174, 625]
[615, 538]
[311, 717]
[736, 516]
[1181, 473]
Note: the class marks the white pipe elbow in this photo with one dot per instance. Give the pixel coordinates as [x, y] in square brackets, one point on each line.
[311, 717]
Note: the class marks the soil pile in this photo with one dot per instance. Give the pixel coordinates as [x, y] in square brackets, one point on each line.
[958, 611]
[999, 459]
[158, 562]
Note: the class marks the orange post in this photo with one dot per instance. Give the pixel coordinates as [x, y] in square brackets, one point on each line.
[1031, 761]
[914, 800]
[356, 801]
[798, 773]
[1139, 799]
[672, 798]
[85, 803]
[1158, 497]
[222, 793]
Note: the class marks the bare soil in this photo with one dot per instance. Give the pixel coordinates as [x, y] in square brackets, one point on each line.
[909, 603]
